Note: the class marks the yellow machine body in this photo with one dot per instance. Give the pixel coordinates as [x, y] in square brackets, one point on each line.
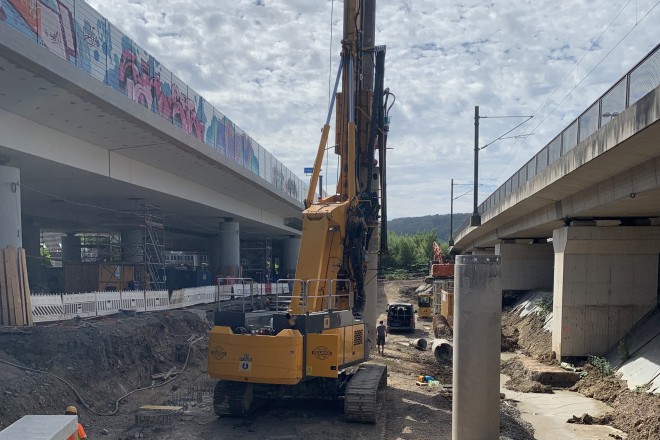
[256, 359]
[279, 359]
[425, 305]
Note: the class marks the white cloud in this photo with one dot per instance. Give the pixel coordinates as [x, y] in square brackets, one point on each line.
[265, 64]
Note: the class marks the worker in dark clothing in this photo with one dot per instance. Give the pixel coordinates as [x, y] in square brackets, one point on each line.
[381, 332]
[80, 431]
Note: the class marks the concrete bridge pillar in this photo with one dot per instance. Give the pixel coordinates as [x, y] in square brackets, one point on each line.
[290, 251]
[71, 249]
[606, 279]
[526, 266]
[476, 358]
[227, 250]
[32, 246]
[11, 233]
[132, 246]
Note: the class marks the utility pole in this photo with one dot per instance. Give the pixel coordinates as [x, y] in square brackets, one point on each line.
[451, 216]
[475, 220]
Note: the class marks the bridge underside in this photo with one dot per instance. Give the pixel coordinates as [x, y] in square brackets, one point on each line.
[587, 227]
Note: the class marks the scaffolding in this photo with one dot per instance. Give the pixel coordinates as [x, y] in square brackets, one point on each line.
[100, 247]
[153, 234]
[257, 258]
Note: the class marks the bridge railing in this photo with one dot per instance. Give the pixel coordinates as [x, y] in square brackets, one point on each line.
[640, 80]
[74, 31]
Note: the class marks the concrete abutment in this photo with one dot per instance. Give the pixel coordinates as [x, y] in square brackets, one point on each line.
[605, 281]
[526, 266]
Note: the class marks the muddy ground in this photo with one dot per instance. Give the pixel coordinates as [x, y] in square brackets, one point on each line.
[108, 358]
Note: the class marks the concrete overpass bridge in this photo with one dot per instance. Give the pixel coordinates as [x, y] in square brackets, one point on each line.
[582, 218]
[98, 136]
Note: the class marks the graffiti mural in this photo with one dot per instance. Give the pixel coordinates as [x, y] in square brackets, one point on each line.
[74, 31]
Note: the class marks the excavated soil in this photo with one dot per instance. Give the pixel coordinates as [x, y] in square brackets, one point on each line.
[101, 360]
[636, 413]
[104, 359]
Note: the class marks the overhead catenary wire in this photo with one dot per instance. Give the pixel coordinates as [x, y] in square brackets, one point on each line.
[513, 153]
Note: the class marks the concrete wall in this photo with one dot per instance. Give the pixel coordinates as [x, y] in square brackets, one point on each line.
[606, 279]
[526, 266]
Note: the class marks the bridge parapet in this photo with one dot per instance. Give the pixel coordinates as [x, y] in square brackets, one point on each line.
[74, 31]
[642, 79]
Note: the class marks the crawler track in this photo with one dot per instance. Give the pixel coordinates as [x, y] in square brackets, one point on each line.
[362, 399]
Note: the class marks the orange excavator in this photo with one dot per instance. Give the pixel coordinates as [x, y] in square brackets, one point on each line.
[439, 268]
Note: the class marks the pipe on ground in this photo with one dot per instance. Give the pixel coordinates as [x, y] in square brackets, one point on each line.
[443, 350]
[419, 344]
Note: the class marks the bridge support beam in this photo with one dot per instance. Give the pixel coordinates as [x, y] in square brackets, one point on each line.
[10, 213]
[227, 250]
[71, 249]
[526, 266]
[605, 280]
[32, 246]
[290, 251]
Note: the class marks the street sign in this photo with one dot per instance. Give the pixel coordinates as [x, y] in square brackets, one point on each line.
[309, 170]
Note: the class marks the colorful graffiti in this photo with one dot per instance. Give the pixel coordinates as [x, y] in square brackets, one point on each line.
[74, 31]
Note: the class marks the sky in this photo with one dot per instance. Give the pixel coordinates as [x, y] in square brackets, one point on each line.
[267, 65]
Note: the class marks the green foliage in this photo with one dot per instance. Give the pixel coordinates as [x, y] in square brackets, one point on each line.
[434, 223]
[545, 307]
[408, 254]
[396, 274]
[601, 365]
[46, 257]
[624, 349]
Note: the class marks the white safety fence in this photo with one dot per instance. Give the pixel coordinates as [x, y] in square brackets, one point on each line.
[49, 307]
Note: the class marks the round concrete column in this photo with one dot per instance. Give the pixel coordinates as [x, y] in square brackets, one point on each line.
[11, 233]
[71, 249]
[290, 251]
[229, 249]
[477, 333]
[132, 246]
[32, 246]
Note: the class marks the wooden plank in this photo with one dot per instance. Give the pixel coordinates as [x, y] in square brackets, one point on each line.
[11, 272]
[4, 300]
[26, 287]
[21, 295]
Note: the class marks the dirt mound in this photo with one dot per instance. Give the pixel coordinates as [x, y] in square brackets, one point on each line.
[520, 381]
[637, 413]
[103, 360]
[527, 334]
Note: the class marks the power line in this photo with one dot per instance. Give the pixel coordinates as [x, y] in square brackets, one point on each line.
[637, 22]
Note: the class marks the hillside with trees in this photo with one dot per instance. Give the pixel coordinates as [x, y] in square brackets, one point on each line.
[433, 223]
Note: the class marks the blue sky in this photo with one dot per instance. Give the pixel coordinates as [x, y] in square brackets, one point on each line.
[266, 64]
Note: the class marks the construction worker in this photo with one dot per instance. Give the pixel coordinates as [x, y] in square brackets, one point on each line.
[381, 332]
[80, 432]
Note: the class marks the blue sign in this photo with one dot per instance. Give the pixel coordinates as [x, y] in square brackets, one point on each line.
[309, 170]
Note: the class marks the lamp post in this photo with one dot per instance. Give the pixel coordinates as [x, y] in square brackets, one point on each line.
[610, 115]
[475, 219]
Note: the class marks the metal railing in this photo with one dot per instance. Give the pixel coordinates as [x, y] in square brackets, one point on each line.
[639, 81]
[246, 295]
